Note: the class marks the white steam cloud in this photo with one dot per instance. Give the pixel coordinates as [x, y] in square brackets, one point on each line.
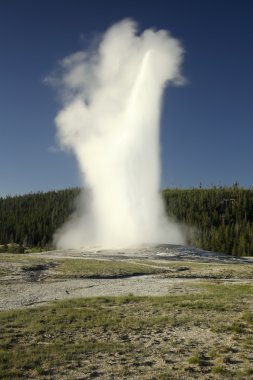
[110, 121]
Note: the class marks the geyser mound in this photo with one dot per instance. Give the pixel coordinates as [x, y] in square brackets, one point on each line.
[110, 121]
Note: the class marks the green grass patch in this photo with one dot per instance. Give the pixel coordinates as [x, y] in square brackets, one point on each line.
[198, 359]
[73, 268]
[100, 268]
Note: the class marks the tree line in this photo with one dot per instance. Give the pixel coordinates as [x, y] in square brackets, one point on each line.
[30, 220]
[217, 219]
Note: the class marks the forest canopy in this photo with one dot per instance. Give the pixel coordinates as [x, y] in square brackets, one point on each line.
[217, 219]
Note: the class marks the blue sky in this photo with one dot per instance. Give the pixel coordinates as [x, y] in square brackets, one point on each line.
[207, 125]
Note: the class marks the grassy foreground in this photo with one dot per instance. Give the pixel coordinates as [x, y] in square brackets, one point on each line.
[205, 335]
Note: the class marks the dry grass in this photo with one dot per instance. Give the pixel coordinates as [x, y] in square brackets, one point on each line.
[15, 264]
[185, 269]
[207, 335]
[81, 268]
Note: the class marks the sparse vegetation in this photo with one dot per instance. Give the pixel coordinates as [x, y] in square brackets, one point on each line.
[188, 336]
[205, 332]
[97, 268]
[12, 248]
[71, 268]
[78, 268]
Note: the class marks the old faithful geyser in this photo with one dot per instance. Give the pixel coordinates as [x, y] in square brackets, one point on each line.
[110, 121]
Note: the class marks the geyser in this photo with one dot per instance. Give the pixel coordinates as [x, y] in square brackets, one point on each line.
[110, 121]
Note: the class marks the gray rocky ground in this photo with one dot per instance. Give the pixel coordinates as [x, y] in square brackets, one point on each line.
[32, 287]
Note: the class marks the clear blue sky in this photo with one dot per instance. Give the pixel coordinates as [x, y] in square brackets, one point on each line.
[207, 125]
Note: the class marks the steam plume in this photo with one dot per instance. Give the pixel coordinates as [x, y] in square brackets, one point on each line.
[110, 121]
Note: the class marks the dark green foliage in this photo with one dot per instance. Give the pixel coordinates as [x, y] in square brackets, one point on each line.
[30, 220]
[222, 217]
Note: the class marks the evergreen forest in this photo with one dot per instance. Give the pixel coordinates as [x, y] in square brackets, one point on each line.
[216, 219]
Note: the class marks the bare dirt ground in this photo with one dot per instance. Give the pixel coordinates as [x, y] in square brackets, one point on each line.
[23, 286]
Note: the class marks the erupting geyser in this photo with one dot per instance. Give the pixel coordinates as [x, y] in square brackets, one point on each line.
[110, 121]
